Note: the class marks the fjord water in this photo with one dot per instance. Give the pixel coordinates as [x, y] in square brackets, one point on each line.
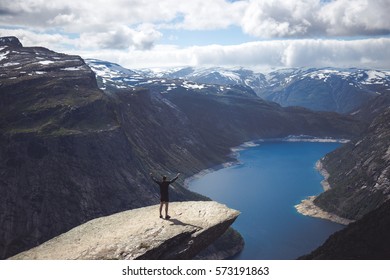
[271, 179]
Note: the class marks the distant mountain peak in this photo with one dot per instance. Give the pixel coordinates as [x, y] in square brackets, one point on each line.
[11, 41]
[342, 90]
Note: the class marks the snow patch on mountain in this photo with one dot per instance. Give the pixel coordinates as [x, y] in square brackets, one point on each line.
[45, 62]
[3, 55]
[193, 85]
[376, 77]
[324, 89]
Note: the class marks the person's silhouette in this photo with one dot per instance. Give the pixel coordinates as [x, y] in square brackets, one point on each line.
[164, 194]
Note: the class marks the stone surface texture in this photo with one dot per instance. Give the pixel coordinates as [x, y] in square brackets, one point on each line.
[141, 234]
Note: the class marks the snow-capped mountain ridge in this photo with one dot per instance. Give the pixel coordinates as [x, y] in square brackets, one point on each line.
[342, 90]
[245, 76]
[113, 75]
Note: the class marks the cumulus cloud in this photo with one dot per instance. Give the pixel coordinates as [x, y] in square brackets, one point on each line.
[77, 15]
[278, 18]
[358, 17]
[120, 37]
[118, 24]
[115, 24]
[301, 18]
[263, 19]
[116, 38]
[372, 53]
[366, 53]
[145, 36]
[29, 38]
[128, 31]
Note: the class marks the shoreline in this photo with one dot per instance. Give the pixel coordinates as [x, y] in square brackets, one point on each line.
[308, 208]
[234, 155]
[234, 152]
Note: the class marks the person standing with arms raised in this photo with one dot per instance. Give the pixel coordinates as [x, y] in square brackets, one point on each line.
[164, 194]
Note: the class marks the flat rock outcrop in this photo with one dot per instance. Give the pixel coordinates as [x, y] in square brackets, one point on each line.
[141, 234]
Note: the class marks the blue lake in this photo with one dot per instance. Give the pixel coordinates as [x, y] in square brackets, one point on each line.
[271, 179]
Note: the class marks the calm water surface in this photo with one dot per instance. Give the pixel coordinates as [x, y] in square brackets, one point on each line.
[272, 178]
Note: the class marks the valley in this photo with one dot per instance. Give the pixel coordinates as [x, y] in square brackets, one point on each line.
[80, 137]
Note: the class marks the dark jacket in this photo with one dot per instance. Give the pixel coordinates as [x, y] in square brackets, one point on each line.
[164, 186]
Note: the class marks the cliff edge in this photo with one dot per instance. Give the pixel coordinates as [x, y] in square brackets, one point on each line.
[141, 234]
[359, 173]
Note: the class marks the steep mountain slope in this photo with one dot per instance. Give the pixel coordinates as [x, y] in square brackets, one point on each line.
[360, 189]
[359, 172]
[66, 156]
[70, 152]
[43, 91]
[373, 108]
[365, 239]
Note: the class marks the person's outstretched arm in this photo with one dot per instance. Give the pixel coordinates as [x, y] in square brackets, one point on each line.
[174, 179]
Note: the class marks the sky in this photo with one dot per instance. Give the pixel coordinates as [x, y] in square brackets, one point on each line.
[255, 34]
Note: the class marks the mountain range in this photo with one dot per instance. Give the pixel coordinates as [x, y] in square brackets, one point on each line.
[79, 138]
[320, 89]
[361, 93]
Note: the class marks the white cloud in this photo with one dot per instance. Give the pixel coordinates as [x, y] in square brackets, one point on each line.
[122, 24]
[75, 15]
[301, 18]
[367, 53]
[358, 17]
[145, 36]
[120, 37]
[125, 31]
[57, 42]
[114, 24]
[278, 18]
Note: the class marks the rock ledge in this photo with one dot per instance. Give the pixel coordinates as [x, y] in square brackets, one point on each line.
[141, 234]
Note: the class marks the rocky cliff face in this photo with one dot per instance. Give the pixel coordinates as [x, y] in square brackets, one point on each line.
[359, 173]
[141, 234]
[48, 93]
[366, 239]
[70, 152]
